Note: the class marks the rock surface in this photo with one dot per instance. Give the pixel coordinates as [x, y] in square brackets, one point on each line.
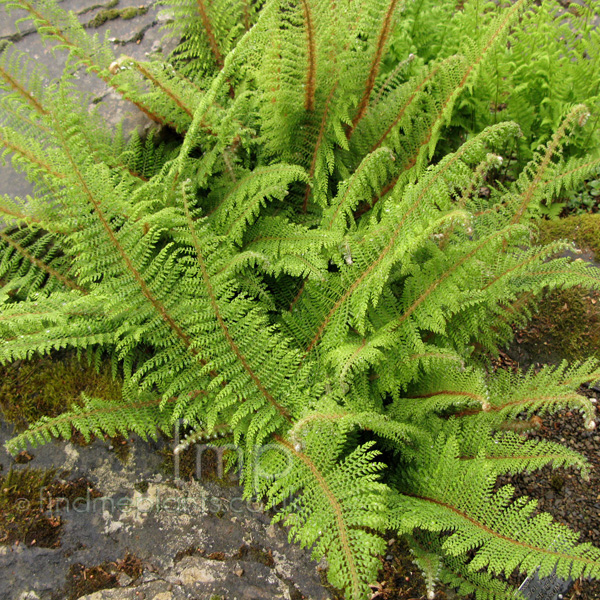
[195, 539]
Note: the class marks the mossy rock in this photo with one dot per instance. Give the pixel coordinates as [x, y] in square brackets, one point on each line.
[110, 14]
[49, 385]
[30, 504]
[133, 11]
[566, 326]
[584, 230]
[567, 323]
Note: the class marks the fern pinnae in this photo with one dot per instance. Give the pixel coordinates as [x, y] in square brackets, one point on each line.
[469, 69]
[206, 23]
[355, 587]
[389, 84]
[489, 521]
[237, 275]
[15, 146]
[317, 145]
[575, 170]
[535, 257]
[364, 274]
[155, 302]
[18, 87]
[158, 84]
[578, 114]
[41, 264]
[429, 75]
[215, 306]
[367, 175]
[142, 416]
[207, 100]
[438, 173]
[503, 233]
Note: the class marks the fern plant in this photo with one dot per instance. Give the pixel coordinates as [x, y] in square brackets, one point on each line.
[551, 60]
[294, 269]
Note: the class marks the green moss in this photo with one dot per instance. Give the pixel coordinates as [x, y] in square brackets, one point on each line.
[103, 16]
[110, 14]
[567, 325]
[141, 486]
[132, 11]
[87, 9]
[30, 504]
[21, 509]
[584, 230]
[49, 385]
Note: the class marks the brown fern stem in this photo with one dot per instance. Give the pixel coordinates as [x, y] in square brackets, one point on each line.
[297, 296]
[22, 91]
[375, 65]
[443, 277]
[320, 136]
[388, 247]
[553, 146]
[512, 457]
[365, 207]
[116, 407]
[210, 34]
[462, 394]
[566, 174]
[30, 157]
[158, 306]
[514, 268]
[145, 73]
[246, 15]
[481, 526]
[523, 402]
[311, 69]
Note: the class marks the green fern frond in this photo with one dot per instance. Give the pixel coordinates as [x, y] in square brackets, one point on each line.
[332, 515]
[502, 534]
[143, 417]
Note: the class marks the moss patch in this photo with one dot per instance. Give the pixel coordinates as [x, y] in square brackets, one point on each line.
[133, 11]
[83, 580]
[110, 14]
[567, 322]
[22, 518]
[30, 501]
[49, 385]
[584, 230]
[567, 325]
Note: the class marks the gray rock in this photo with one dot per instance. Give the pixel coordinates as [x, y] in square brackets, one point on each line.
[193, 540]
